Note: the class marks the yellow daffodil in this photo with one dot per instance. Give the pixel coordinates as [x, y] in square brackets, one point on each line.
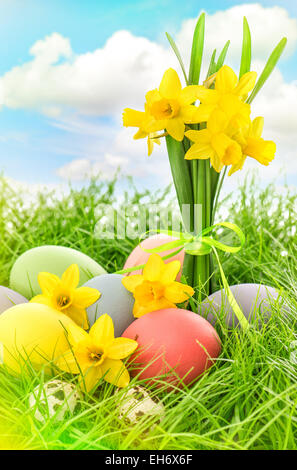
[253, 145]
[141, 119]
[64, 296]
[97, 354]
[214, 143]
[156, 287]
[228, 92]
[172, 107]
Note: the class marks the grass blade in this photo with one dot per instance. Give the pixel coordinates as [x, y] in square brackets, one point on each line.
[197, 51]
[212, 66]
[246, 54]
[177, 53]
[268, 69]
[222, 56]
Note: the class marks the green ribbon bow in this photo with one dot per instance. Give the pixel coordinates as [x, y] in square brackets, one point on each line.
[200, 245]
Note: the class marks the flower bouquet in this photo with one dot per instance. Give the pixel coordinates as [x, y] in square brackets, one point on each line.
[208, 128]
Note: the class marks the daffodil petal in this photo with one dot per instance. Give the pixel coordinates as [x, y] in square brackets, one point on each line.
[102, 332]
[238, 166]
[70, 278]
[217, 122]
[151, 96]
[170, 272]
[78, 315]
[140, 134]
[199, 137]
[216, 163]
[191, 114]
[91, 378]
[155, 126]
[153, 269]
[207, 96]
[189, 94]
[115, 372]
[257, 127]
[121, 348]
[139, 310]
[226, 80]
[246, 83]
[133, 118]
[131, 282]
[85, 296]
[170, 86]
[48, 282]
[76, 335]
[177, 292]
[176, 128]
[68, 363]
[261, 150]
[200, 152]
[42, 299]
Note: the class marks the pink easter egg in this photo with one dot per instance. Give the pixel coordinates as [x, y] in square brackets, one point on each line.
[175, 342]
[138, 256]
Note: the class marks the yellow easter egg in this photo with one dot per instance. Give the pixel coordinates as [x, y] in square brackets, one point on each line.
[32, 333]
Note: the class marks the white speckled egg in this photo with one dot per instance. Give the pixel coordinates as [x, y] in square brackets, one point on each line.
[9, 298]
[137, 403]
[53, 399]
[255, 300]
[115, 300]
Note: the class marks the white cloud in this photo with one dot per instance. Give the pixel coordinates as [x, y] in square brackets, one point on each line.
[101, 82]
[268, 26]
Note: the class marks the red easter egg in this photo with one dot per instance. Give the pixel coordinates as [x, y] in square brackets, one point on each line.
[138, 256]
[173, 339]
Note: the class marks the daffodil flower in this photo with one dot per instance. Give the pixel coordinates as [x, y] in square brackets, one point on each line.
[228, 91]
[214, 143]
[141, 119]
[172, 106]
[253, 145]
[156, 287]
[64, 296]
[97, 354]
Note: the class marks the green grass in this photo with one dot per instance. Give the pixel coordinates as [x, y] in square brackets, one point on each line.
[246, 401]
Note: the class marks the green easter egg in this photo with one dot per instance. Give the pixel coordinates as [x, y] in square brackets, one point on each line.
[51, 259]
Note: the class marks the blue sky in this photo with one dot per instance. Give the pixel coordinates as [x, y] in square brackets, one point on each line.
[33, 143]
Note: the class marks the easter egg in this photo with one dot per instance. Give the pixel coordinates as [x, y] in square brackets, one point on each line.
[33, 332]
[137, 404]
[54, 400]
[139, 257]
[115, 300]
[9, 298]
[175, 342]
[256, 302]
[52, 259]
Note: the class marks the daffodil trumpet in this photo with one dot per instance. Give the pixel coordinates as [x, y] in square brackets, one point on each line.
[208, 129]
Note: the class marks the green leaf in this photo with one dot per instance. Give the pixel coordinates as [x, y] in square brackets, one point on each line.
[222, 56]
[181, 174]
[271, 63]
[246, 54]
[177, 53]
[197, 51]
[212, 66]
